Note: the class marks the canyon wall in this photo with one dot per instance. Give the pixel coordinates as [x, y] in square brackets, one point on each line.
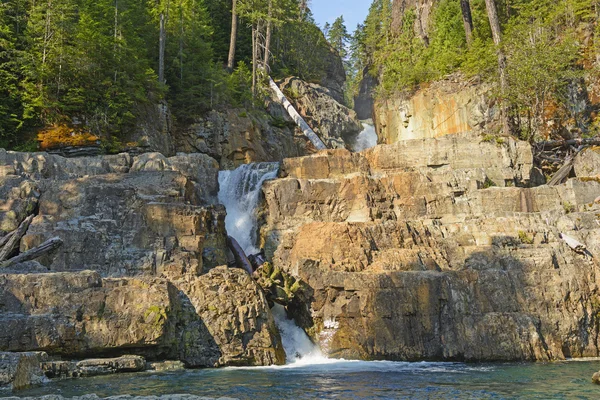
[439, 249]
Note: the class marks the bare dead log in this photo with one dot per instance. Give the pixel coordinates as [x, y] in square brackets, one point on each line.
[14, 241]
[575, 245]
[47, 247]
[6, 238]
[553, 144]
[563, 173]
[308, 132]
[238, 253]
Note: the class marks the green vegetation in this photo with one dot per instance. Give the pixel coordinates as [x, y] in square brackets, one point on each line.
[546, 45]
[524, 238]
[92, 65]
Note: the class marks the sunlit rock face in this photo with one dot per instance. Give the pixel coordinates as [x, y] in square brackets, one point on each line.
[438, 249]
[450, 106]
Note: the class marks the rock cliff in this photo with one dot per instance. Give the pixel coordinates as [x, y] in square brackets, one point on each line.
[437, 249]
[449, 106]
[137, 272]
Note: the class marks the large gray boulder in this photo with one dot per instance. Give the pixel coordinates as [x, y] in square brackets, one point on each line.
[335, 124]
[21, 370]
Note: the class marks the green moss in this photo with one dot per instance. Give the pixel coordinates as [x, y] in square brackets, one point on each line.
[568, 207]
[524, 238]
[160, 314]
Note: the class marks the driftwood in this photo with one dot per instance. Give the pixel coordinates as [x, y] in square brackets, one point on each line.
[310, 134]
[241, 260]
[15, 239]
[553, 144]
[574, 244]
[47, 247]
[6, 238]
[563, 173]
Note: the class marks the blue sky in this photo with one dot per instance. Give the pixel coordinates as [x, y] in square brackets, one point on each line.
[354, 11]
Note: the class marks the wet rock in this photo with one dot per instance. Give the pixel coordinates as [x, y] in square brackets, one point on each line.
[124, 397]
[237, 315]
[21, 370]
[165, 366]
[93, 367]
[105, 366]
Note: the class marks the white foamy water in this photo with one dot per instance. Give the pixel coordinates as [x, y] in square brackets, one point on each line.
[366, 139]
[239, 192]
[299, 349]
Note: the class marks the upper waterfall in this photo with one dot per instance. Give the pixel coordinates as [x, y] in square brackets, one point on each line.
[367, 138]
[239, 192]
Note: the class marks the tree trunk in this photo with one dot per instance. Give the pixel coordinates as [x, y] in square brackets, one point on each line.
[254, 57]
[310, 134]
[15, 239]
[47, 247]
[497, 36]
[233, 39]
[161, 50]
[268, 38]
[465, 7]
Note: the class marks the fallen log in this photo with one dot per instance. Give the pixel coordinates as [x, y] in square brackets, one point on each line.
[574, 244]
[310, 134]
[47, 247]
[552, 144]
[13, 241]
[563, 173]
[6, 238]
[241, 260]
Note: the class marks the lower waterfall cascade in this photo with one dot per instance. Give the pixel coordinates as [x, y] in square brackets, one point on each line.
[239, 192]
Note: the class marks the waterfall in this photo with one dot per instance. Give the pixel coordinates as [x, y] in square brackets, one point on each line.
[239, 193]
[367, 138]
[299, 349]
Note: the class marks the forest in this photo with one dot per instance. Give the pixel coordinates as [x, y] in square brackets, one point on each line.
[91, 65]
[536, 54]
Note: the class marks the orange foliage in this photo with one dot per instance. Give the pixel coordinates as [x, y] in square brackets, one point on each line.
[58, 136]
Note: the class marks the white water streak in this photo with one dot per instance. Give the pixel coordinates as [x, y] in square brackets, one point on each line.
[239, 192]
[366, 139]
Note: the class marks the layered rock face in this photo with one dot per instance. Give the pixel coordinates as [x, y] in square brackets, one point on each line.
[449, 106]
[136, 274]
[438, 249]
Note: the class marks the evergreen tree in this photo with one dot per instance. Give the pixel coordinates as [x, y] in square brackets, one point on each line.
[338, 36]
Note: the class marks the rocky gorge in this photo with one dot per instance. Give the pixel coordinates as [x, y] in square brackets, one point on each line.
[437, 246]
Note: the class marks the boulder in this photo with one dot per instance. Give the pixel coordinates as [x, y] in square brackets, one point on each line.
[80, 314]
[587, 163]
[333, 122]
[235, 137]
[21, 370]
[93, 367]
[237, 316]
